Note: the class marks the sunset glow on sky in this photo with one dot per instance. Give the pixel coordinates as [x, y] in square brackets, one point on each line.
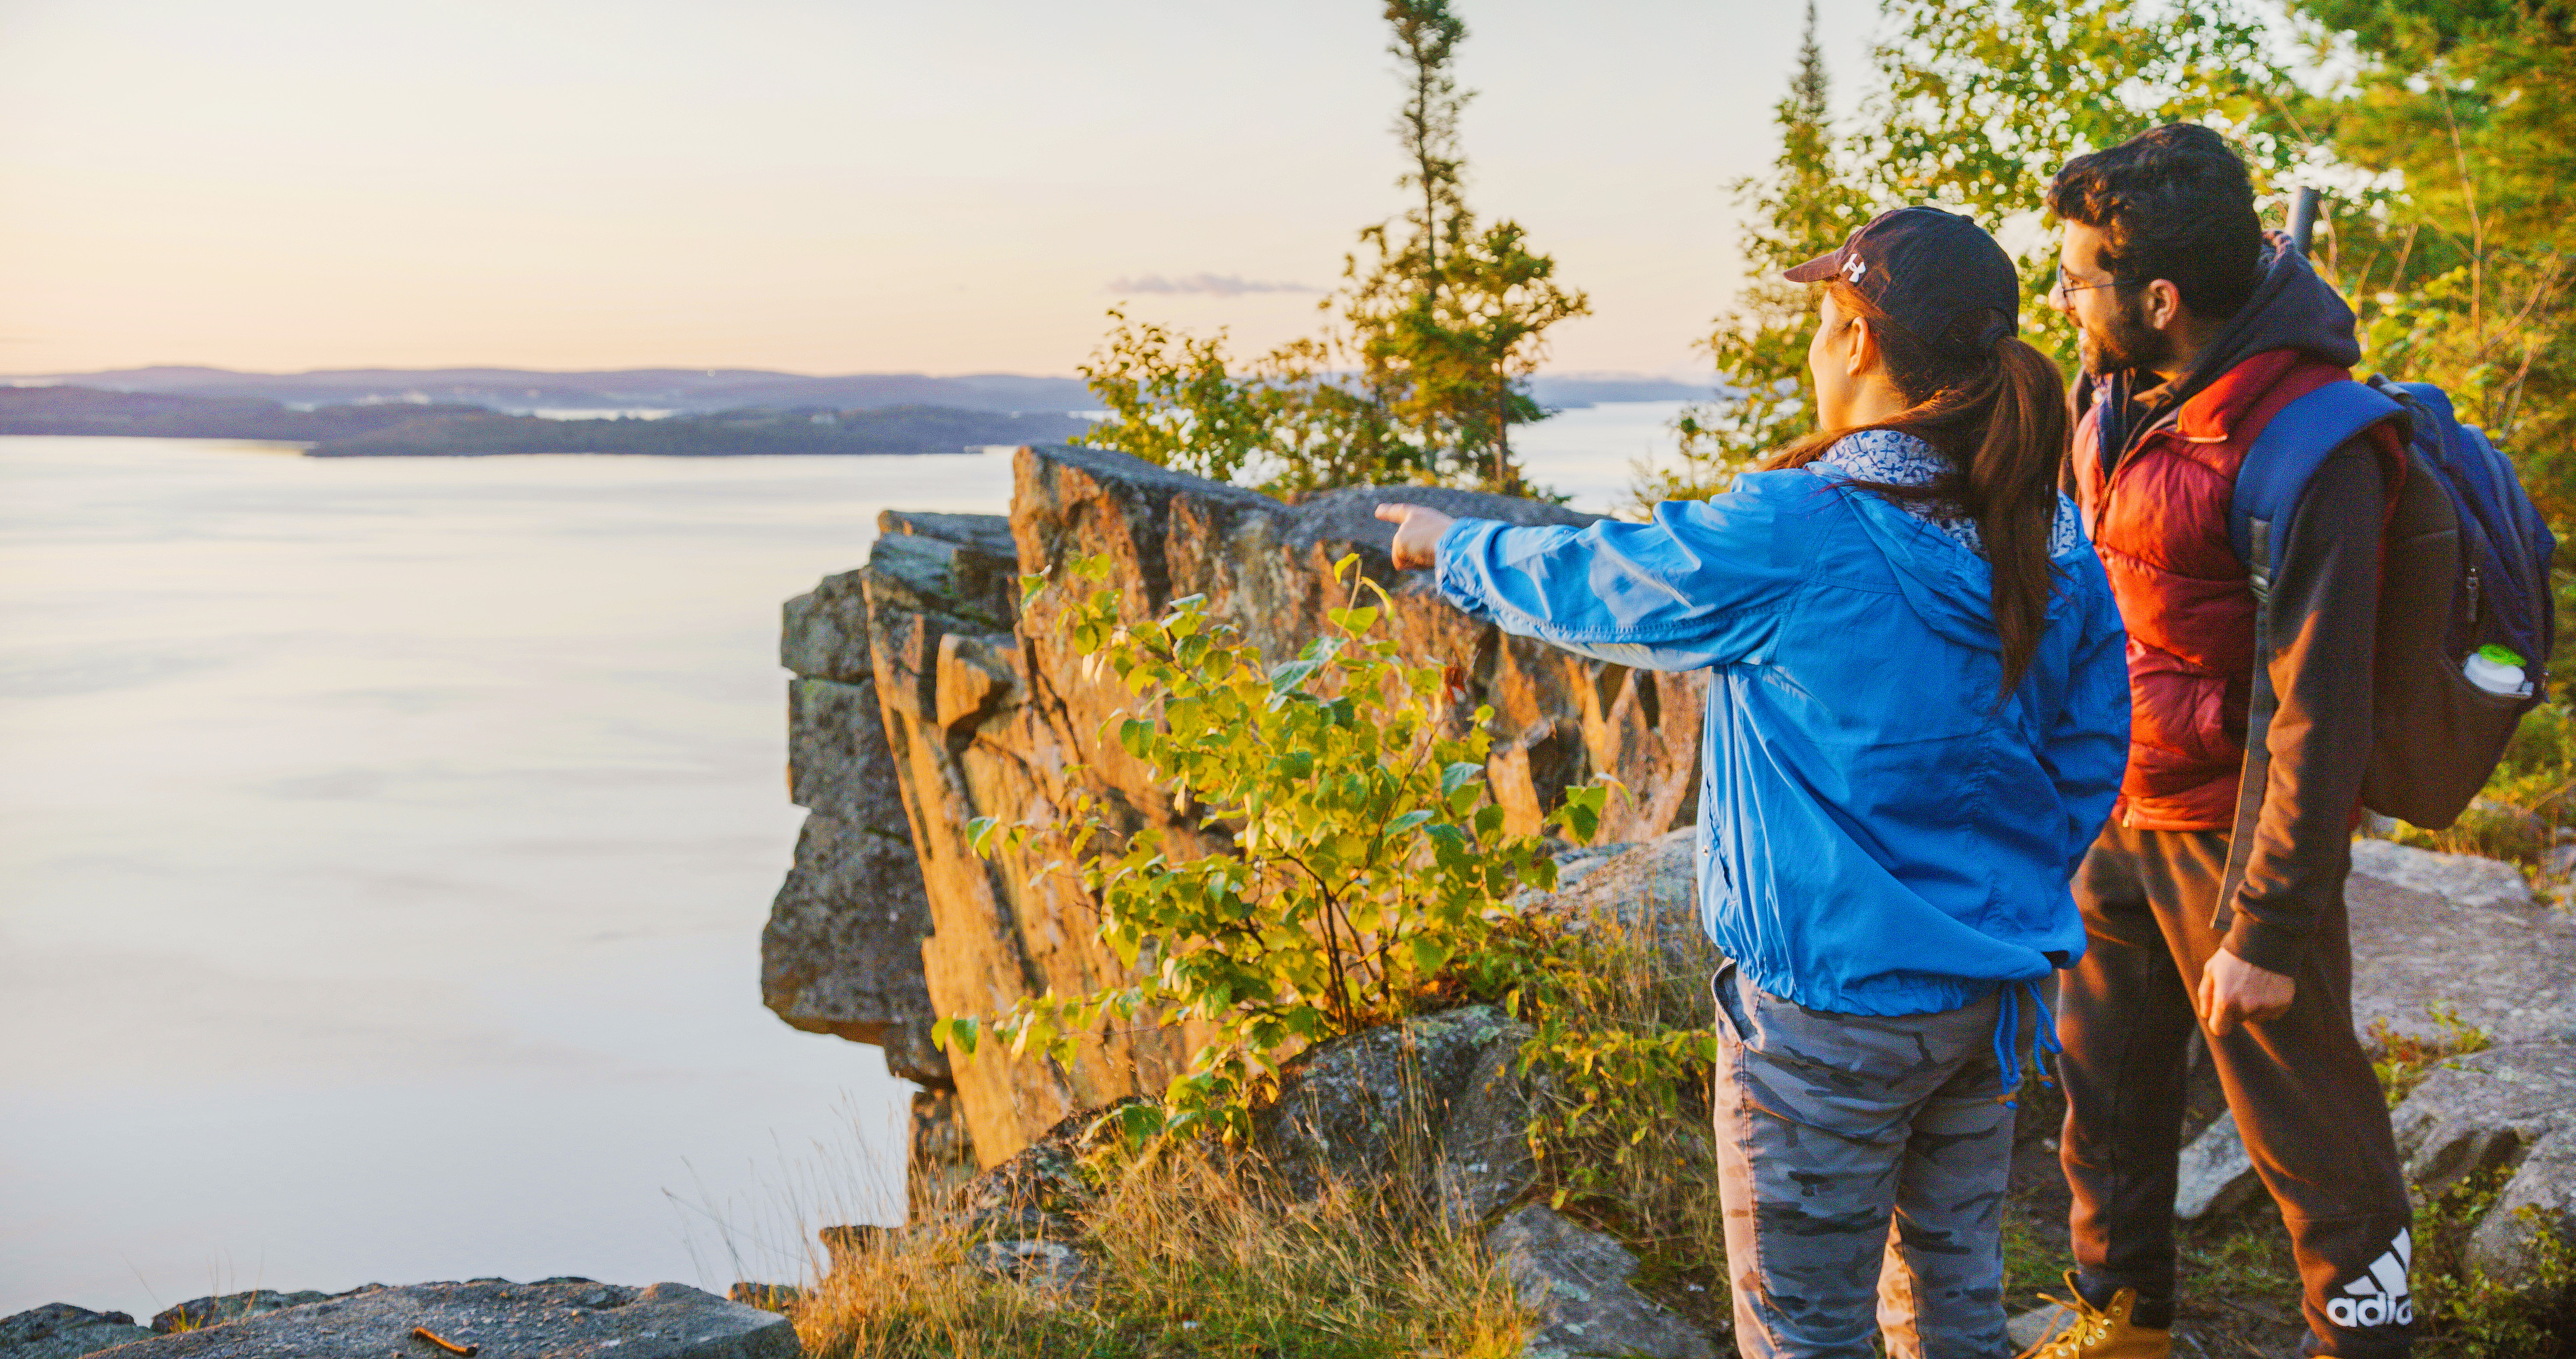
[819, 187]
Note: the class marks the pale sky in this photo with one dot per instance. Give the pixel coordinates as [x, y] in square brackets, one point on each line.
[861, 186]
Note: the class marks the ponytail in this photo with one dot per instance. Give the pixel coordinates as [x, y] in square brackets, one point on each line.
[1996, 409]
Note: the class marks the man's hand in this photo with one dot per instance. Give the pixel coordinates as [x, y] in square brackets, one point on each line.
[2234, 991]
[1417, 534]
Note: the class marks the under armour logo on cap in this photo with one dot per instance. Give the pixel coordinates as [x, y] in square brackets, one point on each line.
[1854, 267]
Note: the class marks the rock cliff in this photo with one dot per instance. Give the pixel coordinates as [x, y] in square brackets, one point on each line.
[982, 708]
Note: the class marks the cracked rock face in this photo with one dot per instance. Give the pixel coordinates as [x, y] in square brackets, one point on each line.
[987, 712]
[2461, 933]
[842, 951]
[2509, 1107]
[554, 1319]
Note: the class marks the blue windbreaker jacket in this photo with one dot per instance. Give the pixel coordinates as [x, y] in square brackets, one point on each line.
[1875, 837]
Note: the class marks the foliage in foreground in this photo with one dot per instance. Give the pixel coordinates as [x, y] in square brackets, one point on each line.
[1366, 856]
[1186, 1259]
[2465, 1311]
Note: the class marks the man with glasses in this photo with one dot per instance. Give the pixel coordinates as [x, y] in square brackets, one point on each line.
[2196, 328]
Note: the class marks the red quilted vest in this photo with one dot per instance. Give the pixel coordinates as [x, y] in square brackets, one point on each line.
[2159, 521]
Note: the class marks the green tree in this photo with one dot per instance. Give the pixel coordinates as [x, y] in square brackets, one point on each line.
[1424, 367]
[1450, 318]
[1979, 106]
[2461, 260]
[1807, 204]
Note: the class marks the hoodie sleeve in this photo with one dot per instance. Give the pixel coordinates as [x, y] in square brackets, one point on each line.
[2087, 750]
[2325, 611]
[1706, 583]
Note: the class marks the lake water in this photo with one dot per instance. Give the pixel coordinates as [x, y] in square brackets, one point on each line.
[384, 847]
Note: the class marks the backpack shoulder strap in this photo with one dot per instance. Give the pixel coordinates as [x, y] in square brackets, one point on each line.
[2269, 483]
[2285, 455]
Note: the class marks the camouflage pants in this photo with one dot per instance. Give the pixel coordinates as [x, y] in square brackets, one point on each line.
[1861, 1156]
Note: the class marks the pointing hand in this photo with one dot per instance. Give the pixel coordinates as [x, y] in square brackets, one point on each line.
[1417, 534]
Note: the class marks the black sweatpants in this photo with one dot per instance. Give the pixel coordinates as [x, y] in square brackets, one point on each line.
[2301, 1088]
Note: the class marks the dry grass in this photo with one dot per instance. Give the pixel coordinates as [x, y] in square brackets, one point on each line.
[1186, 1259]
[1634, 1157]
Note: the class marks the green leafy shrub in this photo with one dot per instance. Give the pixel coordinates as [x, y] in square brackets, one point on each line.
[2461, 1307]
[1366, 854]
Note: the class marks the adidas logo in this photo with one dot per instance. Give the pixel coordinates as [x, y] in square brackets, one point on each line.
[2378, 1298]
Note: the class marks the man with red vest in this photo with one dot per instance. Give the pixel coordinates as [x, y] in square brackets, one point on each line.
[2197, 328]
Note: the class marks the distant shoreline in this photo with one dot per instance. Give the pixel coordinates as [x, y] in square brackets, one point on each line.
[463, 431]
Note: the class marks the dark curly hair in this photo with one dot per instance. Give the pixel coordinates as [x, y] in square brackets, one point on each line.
[2173, 203]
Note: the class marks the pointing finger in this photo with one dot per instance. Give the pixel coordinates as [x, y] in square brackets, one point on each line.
[1394, 514]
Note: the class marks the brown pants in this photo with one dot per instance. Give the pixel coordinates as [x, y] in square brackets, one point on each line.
[2302, 1090]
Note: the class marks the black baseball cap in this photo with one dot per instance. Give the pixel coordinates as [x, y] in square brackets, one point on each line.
[1926, 268]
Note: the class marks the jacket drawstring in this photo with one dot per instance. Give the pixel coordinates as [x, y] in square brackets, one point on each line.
[2008, 1038]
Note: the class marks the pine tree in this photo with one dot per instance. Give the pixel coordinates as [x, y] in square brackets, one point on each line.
[1803, 208]
[1449, 321]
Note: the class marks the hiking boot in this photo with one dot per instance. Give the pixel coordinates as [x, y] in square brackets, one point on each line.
[2099, 1332]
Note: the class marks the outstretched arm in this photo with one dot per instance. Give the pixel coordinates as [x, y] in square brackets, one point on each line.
[1704, 584]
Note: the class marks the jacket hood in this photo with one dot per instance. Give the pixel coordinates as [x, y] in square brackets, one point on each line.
[1947, 586]
[2292, 308]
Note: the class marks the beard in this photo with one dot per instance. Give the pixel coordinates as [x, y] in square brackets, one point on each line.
[2126, 345]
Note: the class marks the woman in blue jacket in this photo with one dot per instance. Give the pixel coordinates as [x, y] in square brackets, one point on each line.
[1918, 714]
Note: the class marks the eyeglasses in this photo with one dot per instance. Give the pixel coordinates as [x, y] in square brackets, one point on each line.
[2066, 284]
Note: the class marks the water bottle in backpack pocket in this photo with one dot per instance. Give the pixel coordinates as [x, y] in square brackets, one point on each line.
[2464, 596]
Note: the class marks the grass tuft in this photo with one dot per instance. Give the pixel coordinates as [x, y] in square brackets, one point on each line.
[1187, 1257]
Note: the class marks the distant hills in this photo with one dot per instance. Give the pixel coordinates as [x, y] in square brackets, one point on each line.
[521, 391]
[458, 430]
[461, 412]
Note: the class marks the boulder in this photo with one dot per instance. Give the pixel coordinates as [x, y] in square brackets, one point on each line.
[2510, 1107]
[1577, 1281]
[2217, 1173]
[1649, 889]
[549, 1320]
[841, 953]
[2469, 879]
[2456, 931]
[768, 1297]
[1054, 1266]
[1437, 1102]
[59, 1330]
[824, 632]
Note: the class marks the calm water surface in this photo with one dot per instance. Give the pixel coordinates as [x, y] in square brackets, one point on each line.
[384, 846]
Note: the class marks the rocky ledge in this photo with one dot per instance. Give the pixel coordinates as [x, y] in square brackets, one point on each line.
[550, 1319]
[928, 693]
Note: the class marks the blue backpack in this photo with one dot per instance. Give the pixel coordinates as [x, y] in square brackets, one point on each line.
[2466, 566]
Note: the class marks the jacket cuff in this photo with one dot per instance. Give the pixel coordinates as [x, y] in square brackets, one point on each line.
[2268, 947]
[1450, 566]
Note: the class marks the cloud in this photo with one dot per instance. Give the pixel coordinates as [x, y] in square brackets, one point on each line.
[1215, 285]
